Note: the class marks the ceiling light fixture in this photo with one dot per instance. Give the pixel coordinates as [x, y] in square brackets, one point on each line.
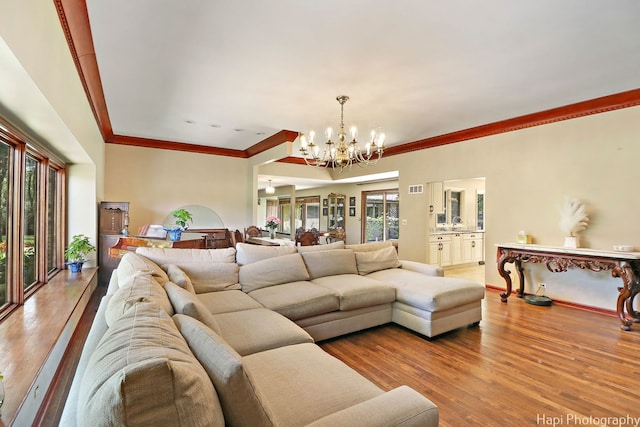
[342, 154]
[269, 189]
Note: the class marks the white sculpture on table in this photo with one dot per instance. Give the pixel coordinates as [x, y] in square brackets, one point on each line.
[573, 219]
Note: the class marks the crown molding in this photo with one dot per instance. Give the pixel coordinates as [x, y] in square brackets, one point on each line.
[603, 104]
[74, 19]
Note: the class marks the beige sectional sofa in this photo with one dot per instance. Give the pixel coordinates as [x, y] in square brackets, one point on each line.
[227, 337]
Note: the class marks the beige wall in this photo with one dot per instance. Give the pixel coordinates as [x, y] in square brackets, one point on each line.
[42, 95]
[155, 182]
[528, 172]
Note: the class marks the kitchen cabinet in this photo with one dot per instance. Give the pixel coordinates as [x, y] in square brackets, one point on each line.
[472, 247]
[440, 250]
[455, 248]
[436, 202]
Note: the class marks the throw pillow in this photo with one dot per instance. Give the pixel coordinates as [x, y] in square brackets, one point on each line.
[186, 303]
[132, 263]
[271, 272]
[247, 253]
[211, 276]
[143, 373]
[140, 287]
[179, 277]
[177, 256]
[330, 263]
[314, 248]
[381, 259]
[223, 364]
[370, 246]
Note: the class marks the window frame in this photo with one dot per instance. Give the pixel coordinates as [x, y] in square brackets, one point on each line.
[21, 147]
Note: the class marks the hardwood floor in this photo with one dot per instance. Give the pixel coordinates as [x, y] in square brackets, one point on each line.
[524, 365]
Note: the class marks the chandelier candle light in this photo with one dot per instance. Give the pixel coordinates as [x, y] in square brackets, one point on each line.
[342, 154]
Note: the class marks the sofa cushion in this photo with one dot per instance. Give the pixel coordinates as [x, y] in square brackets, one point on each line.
[163, 256]
[247, 253]
[316, 384]
[271, 272]
[223, 364]
[228, 301]
[380, 259]
[370, 246]
[211, 276]
[179, 277]
[132, 263]
[329, 263]
[185, 302]
[139, 287]
[315, 248]
[143, 373]
[297, 300]
[260, 329]
[428, 292]
[357, 291]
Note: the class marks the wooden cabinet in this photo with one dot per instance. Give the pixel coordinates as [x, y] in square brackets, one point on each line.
[436, 202]
[473, 247]
[335, 217]
[440, 250]
[113, 224]
[456, 248]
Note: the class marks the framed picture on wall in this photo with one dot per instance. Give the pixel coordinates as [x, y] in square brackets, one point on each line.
[352, 211]
[352, 201]
[325, 211]
[325, 202]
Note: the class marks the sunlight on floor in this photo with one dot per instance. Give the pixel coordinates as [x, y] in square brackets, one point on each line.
[473, 272]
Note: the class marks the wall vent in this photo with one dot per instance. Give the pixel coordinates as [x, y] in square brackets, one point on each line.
[416, 189]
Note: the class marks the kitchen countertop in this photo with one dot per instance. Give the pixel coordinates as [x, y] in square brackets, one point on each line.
[441, 232]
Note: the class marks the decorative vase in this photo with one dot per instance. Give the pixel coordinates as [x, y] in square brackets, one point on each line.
[571, 242]
[75, 266]
[272, 233]
[174, 234]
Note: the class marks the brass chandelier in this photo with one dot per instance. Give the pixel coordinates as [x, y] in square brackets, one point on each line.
[342, 153]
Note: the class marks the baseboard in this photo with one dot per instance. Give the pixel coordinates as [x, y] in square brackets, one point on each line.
[564, 303]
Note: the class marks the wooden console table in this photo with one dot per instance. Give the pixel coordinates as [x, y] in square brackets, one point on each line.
[625, 265]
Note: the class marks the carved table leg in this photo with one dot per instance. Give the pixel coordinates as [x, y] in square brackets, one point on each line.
[520, 270]
[503, 258]
[624, 271]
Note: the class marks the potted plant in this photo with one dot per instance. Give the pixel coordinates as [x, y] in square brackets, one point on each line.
[182, 219]
[76, 251]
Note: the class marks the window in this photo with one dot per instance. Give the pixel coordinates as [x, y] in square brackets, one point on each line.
[382, 211]
[31, 223]
[307, 213]
[5, 178]
[480, 210]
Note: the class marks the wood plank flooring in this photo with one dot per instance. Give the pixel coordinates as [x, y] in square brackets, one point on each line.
[524, 365]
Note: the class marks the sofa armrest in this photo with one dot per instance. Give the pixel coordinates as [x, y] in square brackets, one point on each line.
[420, 267]
[401, 406]
[98, 329]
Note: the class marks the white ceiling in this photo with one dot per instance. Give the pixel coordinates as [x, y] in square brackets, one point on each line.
[231, 73]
